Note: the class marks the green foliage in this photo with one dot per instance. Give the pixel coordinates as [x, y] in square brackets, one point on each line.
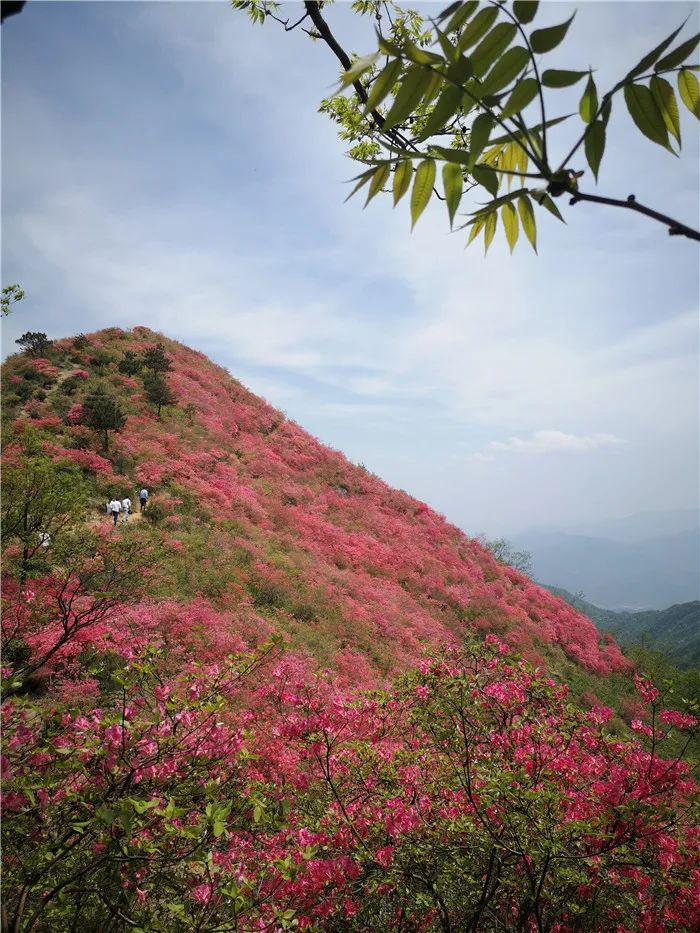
[41, 502]
[102, 412]
[130, 364]
[157, 391]
[473, 84]
[156, 359]
[11, 294]
[35, 343]
[505, 553]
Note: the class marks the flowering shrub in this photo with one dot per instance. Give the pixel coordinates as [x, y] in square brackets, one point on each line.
[240, 796]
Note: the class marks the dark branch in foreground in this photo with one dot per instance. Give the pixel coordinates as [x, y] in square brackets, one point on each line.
[675, 228]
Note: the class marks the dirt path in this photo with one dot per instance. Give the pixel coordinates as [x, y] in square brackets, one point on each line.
[103, 518]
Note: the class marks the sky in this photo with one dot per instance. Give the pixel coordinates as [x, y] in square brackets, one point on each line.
[165, 164]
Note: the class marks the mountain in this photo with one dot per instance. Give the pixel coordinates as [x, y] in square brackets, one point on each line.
[635, 528]
[644, 574]
[271, 531]
[285, 696]
[675, 631]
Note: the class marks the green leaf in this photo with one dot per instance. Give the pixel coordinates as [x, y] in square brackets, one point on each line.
[479, 134]
[478, 27]
[449, 10]
[678, 55]
[491, 46]
[523, 93]
[413, 86]
[490, 230]
[556, 78]
[665, 98]
[363, 179]
[588, 106]
[433, 89]
[543, 199]
[460, 156]
[388, 47]
[505, 70]
[462, 15]
[520, 134]
[594, 144]
[447, 105]
[422, 189]
[688, 89]
[486, 177]
[402, 179]
[459, 70]
[497, 202]
[477, 226]
[448, 49]
[651, 57]
[383, 84]
[509, 216]
[357, 69]
[525, 10]
[452, 182]
[544, 40]
[415, 54]
[527, 220]
[646, 115]
[379, 179]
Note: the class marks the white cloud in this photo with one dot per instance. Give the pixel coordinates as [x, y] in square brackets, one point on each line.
[552, 441]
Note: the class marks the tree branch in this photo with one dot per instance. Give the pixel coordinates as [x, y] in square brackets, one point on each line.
[675, 228]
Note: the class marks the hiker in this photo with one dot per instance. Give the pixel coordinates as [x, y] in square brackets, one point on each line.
[126, 508]
[143, 498]
[114, 507]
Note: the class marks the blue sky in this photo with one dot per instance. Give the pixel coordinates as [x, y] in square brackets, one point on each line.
[165, 164]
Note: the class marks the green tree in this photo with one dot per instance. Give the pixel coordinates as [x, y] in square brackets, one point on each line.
[130, 364]
[505, 553]
[157, 391]
[41, 502]
[101, 412]
[10, 295]
[156, 359]
[35, 343]
[469, 93]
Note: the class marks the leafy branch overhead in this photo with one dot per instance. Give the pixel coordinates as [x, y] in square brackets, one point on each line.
[461, 107]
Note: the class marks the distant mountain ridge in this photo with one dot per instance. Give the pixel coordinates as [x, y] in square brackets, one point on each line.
[675, 631]
[634, 575]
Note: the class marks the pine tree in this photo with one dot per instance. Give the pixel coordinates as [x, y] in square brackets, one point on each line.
[101, 412]
[155, 359]
[130, 364]
[157, 391]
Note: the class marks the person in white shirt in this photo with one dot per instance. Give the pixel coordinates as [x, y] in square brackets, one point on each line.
[126, 508]
[143, 498]
[114, 507]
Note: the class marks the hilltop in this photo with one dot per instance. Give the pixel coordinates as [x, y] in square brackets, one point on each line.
[263, 529]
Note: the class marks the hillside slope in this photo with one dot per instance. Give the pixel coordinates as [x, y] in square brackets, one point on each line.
[219, 715]
[262, 529]
[675, 631]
